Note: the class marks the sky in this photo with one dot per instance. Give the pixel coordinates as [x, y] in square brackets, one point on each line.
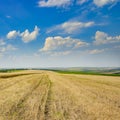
[59, 33]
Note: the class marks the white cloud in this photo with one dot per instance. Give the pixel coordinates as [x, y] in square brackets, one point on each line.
[2, 42]
[81, 1]
[59, 43]
[57, 53]
[28, 37]
[2, 49]
[60, 53]
[103, 38]
[63, 3]
[54, 3]
[6, 48]
[96, 51]
[10, 48]
[71, 26]
[13, 34]
[101, 3]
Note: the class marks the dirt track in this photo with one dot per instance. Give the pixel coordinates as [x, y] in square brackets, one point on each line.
[43, 95]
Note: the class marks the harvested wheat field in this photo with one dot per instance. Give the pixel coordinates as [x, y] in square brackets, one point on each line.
[46, 95]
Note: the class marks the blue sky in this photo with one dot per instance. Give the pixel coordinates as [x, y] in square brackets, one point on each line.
[64, 33]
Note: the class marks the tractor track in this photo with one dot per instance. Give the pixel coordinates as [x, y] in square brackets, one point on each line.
[15, 108]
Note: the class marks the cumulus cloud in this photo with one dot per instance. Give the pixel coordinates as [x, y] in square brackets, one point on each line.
[54, 3]
[28, 37]
[101, 3]
[59, 43]
[71, 26]
[13, 34]
[104, 38]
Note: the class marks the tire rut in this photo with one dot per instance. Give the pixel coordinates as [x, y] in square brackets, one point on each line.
[14, 109]
[48, 99]
[44, 106]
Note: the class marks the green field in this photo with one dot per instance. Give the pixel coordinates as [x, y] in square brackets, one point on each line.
[87, 72]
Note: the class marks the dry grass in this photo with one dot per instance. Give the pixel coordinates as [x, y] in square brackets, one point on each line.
[43, 95]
